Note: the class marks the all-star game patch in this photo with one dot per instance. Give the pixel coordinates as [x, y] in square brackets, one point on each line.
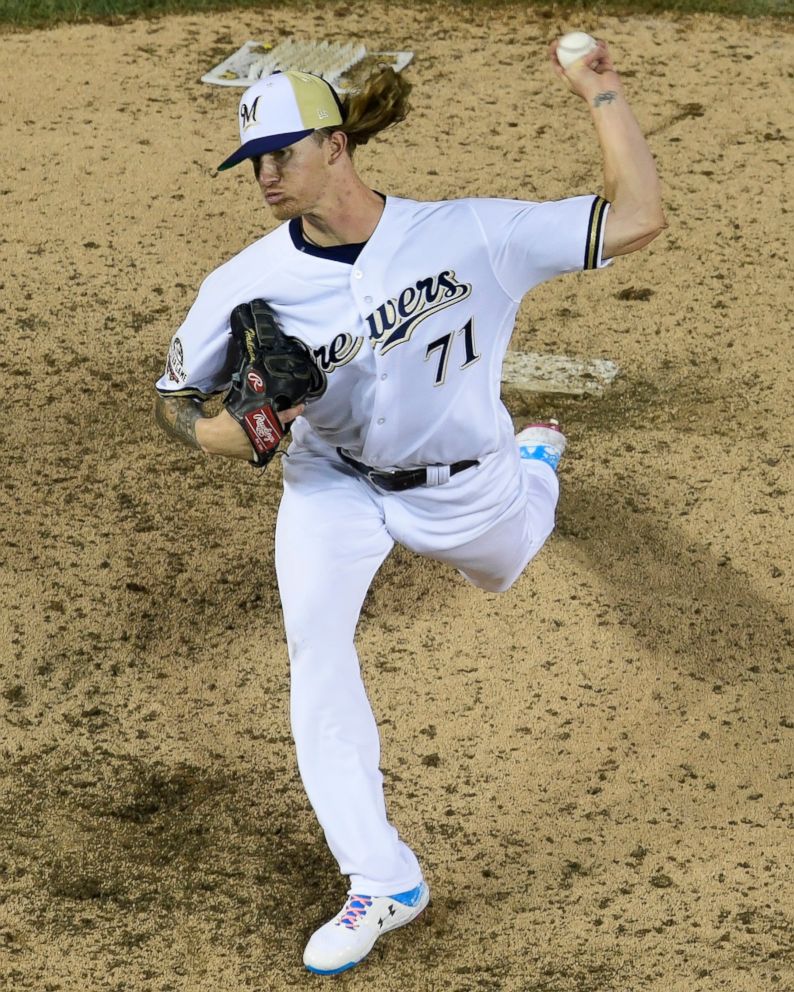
[175, 363]
[341, 65]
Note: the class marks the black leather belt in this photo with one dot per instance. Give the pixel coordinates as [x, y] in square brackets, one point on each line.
[395, 482]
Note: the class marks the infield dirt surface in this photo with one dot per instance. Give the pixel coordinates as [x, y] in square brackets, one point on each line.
[595, 768]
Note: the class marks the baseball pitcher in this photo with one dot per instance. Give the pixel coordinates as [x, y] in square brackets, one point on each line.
[372, 329]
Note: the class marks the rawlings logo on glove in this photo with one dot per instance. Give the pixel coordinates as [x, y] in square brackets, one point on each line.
[264, 429]
[274, 372]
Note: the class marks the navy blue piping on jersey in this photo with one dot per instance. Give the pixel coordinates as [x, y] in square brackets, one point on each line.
[598, 214]
[334, 253]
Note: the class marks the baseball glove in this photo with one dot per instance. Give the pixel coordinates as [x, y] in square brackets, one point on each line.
[273, 372]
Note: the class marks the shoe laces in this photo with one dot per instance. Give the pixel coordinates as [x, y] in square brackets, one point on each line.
[355, 910]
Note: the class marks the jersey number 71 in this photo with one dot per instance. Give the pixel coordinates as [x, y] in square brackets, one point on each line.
[443, 345]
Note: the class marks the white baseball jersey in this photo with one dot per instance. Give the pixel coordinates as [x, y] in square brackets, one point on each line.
[411, 328]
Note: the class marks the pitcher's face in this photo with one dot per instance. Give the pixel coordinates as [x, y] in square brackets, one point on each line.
[293, 179]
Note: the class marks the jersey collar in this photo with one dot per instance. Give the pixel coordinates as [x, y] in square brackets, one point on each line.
[334, 253]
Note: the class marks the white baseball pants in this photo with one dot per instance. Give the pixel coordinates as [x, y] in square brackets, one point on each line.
[333, 533]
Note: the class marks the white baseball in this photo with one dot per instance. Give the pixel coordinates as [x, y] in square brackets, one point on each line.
[574, 46]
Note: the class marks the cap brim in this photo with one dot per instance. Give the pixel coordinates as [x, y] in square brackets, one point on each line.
[261, 146]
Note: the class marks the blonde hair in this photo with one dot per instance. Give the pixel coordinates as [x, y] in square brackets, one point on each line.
[380, 102]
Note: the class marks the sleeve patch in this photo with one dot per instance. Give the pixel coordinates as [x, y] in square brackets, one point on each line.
[175, 363]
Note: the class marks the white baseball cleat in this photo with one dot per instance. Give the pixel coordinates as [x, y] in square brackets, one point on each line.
[349, 937]
[544, 442]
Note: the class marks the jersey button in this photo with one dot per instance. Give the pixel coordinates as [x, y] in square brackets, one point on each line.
[357, 274]
[385, 375]
[368, 299]
[381, 420]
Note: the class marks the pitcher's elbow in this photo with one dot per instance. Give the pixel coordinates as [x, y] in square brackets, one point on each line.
[658, 223]
[649, 221]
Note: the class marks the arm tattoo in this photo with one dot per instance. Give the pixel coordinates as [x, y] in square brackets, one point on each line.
[607, 97]
[177, 415]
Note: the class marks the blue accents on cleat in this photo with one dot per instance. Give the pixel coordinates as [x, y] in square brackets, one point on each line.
[544, 442]
[411, 897]
[333, 971]
[543, 453]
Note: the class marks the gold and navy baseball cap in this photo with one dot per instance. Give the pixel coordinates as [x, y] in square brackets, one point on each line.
[281, 109]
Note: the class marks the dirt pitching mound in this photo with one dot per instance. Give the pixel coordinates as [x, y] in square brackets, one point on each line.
[595, 768]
